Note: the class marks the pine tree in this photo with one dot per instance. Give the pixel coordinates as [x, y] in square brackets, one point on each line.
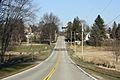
[109, 30]
[76, 24]
[113, 30]
[116, 43]
[77, 28]
[98, 33]
[69, 29]
[117, 32]
[87, 29]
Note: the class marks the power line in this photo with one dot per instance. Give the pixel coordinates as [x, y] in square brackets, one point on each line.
[113, 19]
[119, 21]
[105, 9]
[106, 6]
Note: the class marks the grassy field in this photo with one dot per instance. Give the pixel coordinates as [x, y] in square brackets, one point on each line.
[30, 48]
[8, 71]
[91, 60]
[98, 56]
[39, 52]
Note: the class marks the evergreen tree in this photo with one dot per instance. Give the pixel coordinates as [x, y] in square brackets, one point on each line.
[87, 29]
[117, 32]
[116, 43]
[113, 30]
[76, 24]
[109, 31]
[98, 33]
[69, 29]
[77, 28]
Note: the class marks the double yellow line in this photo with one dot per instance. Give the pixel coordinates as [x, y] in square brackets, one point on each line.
[53, 69]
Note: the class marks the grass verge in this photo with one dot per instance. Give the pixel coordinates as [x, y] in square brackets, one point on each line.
[94, 70]
[41, 52]
[11, 70]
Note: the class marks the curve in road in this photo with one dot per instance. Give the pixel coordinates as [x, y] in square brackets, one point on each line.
[57, 67]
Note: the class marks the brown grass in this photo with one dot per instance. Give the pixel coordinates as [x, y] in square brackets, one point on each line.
[41, 52]
[98, 56]
[100, 72]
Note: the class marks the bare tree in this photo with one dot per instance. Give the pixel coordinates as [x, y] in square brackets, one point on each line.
[18, 34]
[116, 44]
[10, 11]
[50, 18]
[50, 27]
[116, 49]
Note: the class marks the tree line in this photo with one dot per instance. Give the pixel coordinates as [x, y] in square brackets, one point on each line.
[103, 36]
[74, 29]
[99, 34]
[49, 26]
[14, 16]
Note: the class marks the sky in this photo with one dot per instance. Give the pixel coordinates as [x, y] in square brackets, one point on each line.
[86, 10]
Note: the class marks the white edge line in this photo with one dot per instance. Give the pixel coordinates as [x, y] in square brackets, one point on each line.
[30, 68]
[82, 70]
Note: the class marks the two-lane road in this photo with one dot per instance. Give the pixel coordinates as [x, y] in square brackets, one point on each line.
[57, 67]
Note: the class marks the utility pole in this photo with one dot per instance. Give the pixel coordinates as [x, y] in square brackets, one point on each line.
[75, 41]
[82, 41]
[55, 36]
[71, 38]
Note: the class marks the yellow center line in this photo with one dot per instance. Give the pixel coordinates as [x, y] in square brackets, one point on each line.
[53, 69]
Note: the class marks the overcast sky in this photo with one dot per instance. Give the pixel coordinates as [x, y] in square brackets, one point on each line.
[87, 10]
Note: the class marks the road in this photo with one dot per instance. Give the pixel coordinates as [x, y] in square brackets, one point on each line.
[57, 67]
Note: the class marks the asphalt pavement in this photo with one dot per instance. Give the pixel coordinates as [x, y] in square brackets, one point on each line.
[57, 67]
